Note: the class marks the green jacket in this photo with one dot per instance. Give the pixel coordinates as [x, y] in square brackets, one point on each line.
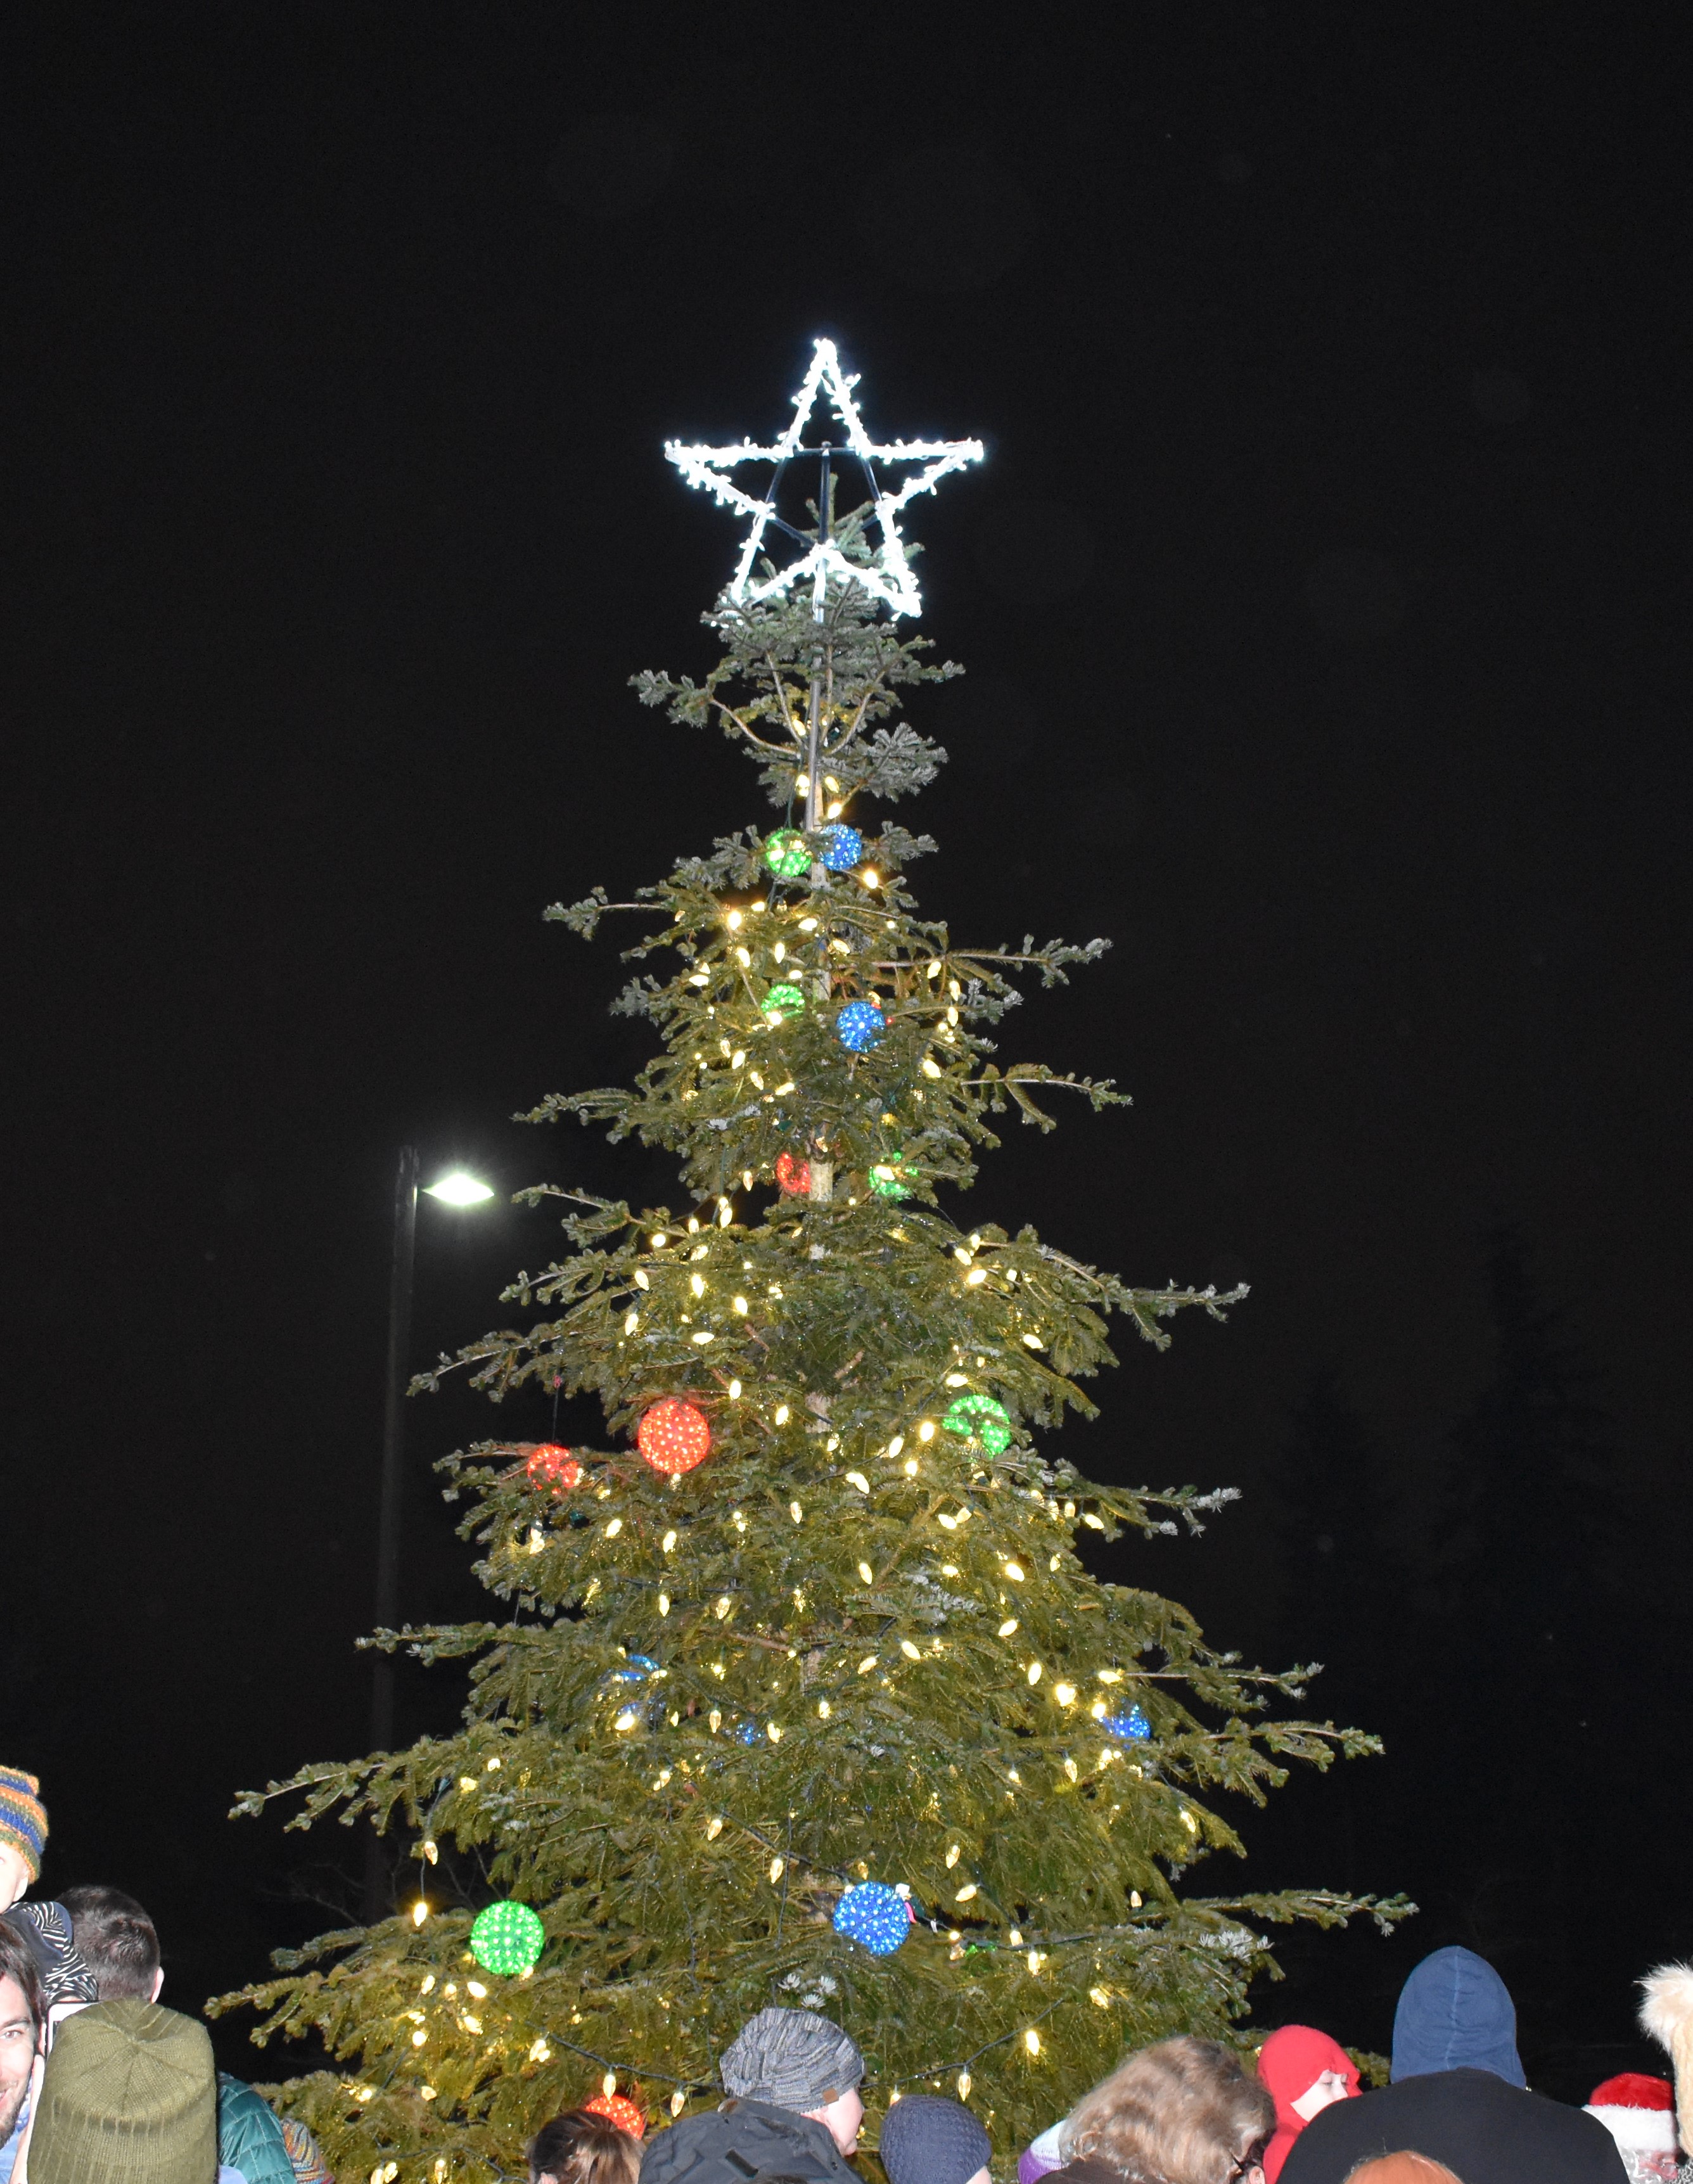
[249, 2136]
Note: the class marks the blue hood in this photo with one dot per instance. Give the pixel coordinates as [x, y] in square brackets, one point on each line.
[1455, 2012]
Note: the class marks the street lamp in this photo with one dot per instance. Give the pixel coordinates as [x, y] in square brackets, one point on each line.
[456, 1190]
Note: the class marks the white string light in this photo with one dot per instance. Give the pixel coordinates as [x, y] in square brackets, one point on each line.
[888, 575]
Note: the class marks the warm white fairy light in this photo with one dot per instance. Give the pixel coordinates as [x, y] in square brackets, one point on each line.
[888, 575]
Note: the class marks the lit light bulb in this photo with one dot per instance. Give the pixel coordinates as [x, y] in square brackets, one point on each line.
[1032, 2041]
[420, 1912]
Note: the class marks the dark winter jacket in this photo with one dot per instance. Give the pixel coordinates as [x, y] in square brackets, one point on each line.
[735, 2141]
[1485, 2131]
[249, 2136]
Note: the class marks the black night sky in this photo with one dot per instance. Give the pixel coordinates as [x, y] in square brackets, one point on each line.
[1324, 598]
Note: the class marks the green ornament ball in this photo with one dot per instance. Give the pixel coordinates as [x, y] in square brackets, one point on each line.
[786, 854]
[783, 1002]
[980, 1418]
[888, 1179]
[507, 1938]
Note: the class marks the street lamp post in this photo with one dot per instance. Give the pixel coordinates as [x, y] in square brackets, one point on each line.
[457, 1189]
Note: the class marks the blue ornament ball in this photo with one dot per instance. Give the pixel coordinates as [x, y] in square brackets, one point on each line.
[842, 846]
[860, 1026]
[747, 1732]
[875, 1916]
[1130, 1727]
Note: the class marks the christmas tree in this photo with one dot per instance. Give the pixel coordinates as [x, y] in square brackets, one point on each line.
[811, 1696]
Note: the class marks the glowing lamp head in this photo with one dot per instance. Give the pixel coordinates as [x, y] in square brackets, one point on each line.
[793, 1177]
[617, 2108]
[507, 1938]
[1130, 1727]
[549, 1465]
[860, 1026]
[981, 1419]
[783, 1002]
[875, 1916]
[674, 1436]
[459, 1189]
[786, 854]
[841, 847]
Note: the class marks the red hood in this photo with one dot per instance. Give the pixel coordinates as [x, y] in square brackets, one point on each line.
[1289, 2063]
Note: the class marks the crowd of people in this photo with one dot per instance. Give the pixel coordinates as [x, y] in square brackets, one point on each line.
[100, 2083]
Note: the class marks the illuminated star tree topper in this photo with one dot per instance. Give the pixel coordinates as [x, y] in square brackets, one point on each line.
[887, 573]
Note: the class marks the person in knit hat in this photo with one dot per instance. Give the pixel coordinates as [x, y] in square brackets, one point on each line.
[794, 2108]
[926, 2140]
[66, 1980]
[1639, 2112]
[23, 1833]
[129, 2096]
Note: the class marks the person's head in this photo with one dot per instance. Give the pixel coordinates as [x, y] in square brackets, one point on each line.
[23, 1833]
[1304, 2071]
[793, 2058]
[129, 2096]
[21, 2016]
[926, 2140]
[1401, 2169]
[1186, 2110]
[118, 1942]
[581, 2147]
[1455, 2012]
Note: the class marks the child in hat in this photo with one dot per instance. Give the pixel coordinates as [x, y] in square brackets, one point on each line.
[66, 1980]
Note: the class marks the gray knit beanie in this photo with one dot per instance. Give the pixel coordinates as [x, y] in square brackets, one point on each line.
[794, 2059]
[927, 2141]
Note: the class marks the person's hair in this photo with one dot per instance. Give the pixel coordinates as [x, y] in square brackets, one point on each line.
[118, 1940]
[1406, 2168]
[579, 2147]
[18, 1962]
[1184, 2112]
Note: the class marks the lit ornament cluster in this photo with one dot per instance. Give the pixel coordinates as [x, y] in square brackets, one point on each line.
[875, 1916]
[886, 1179]
[507, 1938]
[549, 1465]
[783, 1001]
[860, 1026]
[674, 1436]
[793, 1175]
[786, 854]
[981, 1419]
[887, 576]
[1130, 1727]
[618, 2108]
[841, 848]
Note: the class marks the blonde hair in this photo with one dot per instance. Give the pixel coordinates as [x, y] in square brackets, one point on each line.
[1184, 2112]
[1406, 2168]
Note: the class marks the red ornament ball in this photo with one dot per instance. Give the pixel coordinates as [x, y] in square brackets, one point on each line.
[793, 1177]
[674, 1436]
[549, 1465]
[618, 2110]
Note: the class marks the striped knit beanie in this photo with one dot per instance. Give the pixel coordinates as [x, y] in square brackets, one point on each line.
[23, 1819]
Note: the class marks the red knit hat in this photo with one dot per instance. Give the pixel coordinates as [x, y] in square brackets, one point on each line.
[1637, 2110]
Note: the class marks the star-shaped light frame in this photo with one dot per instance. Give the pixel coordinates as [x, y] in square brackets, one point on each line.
[888, 573]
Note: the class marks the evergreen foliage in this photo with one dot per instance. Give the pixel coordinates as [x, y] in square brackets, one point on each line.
[859, 1640]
